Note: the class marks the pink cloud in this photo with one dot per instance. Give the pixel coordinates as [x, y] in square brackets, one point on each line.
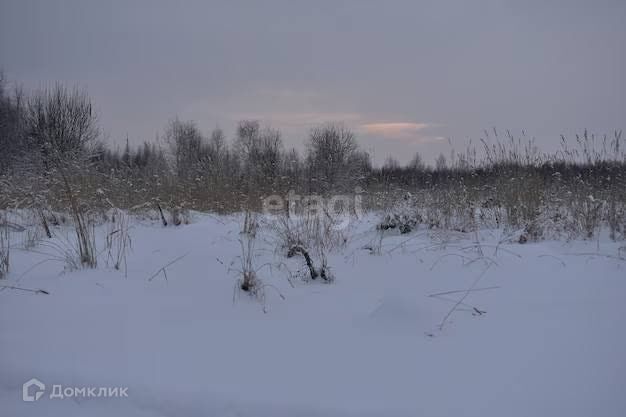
[404, 131]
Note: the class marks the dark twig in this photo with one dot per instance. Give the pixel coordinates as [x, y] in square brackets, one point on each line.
[162, 269]
[38, 291]
[458, 291]
[462, 299]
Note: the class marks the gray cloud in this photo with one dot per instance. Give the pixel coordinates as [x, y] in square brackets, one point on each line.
[549, 67]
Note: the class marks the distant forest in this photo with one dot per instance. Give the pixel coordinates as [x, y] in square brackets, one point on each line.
[52, 157]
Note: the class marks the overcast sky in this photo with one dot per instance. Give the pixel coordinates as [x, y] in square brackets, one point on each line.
[406, 75]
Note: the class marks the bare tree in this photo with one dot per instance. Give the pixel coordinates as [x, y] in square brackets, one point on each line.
[417, 163]
[247, 141]
[271, 145]
[61, 125]
[217, 142]
[259, 150]
[186, 145]
[292, 168]
[391, 164]
[331, 150]
[61, 130]
[11, 125]
[440, 163]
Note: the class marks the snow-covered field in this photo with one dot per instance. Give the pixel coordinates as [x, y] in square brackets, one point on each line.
[541, 334]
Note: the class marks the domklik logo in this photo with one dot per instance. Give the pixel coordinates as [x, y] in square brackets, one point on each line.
[33, 390]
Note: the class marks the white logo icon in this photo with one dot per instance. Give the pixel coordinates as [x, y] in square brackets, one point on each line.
[38, 391]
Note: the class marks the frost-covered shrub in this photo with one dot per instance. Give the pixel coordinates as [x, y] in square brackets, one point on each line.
[307, 229]
[403, 215]
[310, 235]
[402, 222]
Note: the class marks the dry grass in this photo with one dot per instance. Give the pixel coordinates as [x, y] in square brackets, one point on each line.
[118, 241]
[5, 247]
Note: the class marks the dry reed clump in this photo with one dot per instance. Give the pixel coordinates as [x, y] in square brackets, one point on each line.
[5, 246]
[118, 241]
[311, 234]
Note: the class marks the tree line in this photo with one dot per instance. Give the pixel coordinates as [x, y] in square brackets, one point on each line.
[52, 152]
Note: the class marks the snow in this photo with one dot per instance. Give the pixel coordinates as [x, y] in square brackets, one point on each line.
[551, 341]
